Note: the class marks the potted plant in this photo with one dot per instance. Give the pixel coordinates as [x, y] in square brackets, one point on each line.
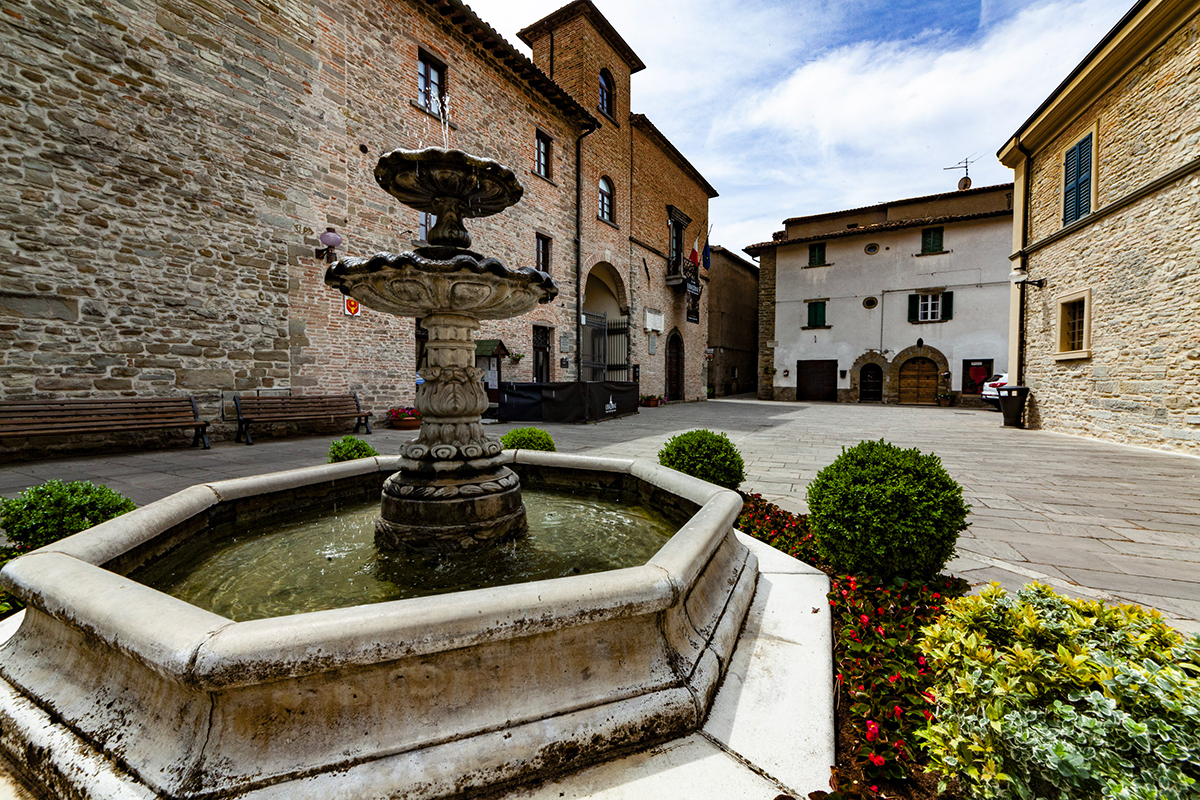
[769, 371]
[515, 357]
[404, 418]
[945, 398]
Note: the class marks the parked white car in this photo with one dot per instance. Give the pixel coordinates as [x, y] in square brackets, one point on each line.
[990, 395]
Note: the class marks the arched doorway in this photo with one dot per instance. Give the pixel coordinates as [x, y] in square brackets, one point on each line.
[919, 381]
[870, 384]
[675, 366]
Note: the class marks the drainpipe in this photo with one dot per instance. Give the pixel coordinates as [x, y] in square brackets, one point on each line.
[592, 126]
[1024, 264]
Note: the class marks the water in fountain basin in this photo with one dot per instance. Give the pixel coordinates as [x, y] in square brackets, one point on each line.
[325, 559]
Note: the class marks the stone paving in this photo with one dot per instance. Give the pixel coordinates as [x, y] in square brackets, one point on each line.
[1090, 518]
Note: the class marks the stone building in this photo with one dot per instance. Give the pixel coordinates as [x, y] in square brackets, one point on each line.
[169, 166]
[732, 323]
[898, 302]
[1106, 241]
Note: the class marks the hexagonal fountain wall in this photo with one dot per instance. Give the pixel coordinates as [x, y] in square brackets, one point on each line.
[114, 690]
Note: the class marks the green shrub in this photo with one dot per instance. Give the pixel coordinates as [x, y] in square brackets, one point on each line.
[49, 512]
[1044, 696]
[527, 439]
[705, 455]
[884, 511]
[349, 448]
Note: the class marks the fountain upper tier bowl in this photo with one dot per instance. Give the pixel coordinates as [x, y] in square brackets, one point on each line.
[125, 692]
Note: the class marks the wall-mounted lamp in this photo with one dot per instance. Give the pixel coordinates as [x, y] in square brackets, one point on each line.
[1019, 277]
[331, 240]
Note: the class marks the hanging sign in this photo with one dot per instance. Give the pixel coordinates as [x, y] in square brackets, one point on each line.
[350, 306]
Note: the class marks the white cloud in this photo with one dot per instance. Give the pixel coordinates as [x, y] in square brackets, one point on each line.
[783, 123]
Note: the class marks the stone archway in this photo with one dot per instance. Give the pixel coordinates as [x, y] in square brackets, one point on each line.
[891, 392]
[604, 291]
[871, 357]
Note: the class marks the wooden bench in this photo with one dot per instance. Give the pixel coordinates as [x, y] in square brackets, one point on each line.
[296, 408]
[27, 418]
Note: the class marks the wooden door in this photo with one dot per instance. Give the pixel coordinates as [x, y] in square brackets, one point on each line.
[817, 380]
[870, 384]
[675, 367]
[919, 382]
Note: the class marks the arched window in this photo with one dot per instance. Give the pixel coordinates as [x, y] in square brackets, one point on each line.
[605, 207]
[606, 92]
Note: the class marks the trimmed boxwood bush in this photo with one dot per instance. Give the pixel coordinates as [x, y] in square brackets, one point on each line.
[349, 448]
[54, 510]
[705, 455]
[881, 510]
[1046, 696]
[527, 439]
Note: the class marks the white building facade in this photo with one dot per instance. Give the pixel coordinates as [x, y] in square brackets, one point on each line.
[903, 302]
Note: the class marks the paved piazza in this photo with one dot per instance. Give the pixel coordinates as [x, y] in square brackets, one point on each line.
[1090, 518]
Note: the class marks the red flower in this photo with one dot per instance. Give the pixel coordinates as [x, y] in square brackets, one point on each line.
[936, 595]
[872, 731]
[876, 760]
[893, 678]
[864, 619]
[897, 711]
[928, 716]
[879, 630]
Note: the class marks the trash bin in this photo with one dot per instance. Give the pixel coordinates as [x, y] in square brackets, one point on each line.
[1012, 404]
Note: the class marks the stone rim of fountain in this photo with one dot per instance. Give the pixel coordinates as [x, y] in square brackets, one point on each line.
[669, 628]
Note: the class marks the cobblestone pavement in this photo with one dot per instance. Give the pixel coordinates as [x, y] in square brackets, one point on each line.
[1090, 518]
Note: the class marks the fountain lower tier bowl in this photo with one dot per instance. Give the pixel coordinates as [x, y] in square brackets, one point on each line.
[112, 689]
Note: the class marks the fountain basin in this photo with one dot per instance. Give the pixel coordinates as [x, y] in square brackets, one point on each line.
[418, 698]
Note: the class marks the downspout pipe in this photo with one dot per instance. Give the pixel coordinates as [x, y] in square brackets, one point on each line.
[592, 126]
[1024, 262]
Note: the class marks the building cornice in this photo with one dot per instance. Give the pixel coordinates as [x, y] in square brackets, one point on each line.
[462, 17]
[587, 9]
[997, 187]
[1146, 26]
[879, 227]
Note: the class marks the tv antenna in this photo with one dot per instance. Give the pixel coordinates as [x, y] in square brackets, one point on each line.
[965, 165]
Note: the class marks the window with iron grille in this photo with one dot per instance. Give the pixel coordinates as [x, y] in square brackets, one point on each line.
[543, 254]
[931, 240]
[541, 163]
[606, 200]
[431, 84]
[816, 254]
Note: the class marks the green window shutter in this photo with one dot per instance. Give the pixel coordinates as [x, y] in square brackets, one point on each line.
[914, 308]
[1083, 185]
[937, 240]
[820, 313]
[931, 240]
[816, 314]
[816, 254]
[947, 305]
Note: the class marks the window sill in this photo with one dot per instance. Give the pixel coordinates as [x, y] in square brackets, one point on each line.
[608, 222]
[543, 177]
[935, 253]
[425, 110]
[816, 327]
[928, 321]
[605, 114]
[814, 266]
[1073, 355]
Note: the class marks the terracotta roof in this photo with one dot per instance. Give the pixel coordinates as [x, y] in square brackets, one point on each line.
[643, 122]
[755, 249]
[588, 9]
[461, 16]
[878, 206]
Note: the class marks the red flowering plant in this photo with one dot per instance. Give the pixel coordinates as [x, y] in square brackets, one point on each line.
[785, 532]
[403, 412]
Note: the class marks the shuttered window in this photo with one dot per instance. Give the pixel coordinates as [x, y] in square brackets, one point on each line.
[931, 307]
[816, 254]
[1077, 174]
[931, 240]
[816, 314]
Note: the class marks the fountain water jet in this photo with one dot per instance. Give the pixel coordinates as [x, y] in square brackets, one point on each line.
[451, 492]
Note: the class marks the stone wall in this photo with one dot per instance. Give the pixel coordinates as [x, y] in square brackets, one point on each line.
[168, 167]
[766, 327]
[732, 324]
[1141, 384]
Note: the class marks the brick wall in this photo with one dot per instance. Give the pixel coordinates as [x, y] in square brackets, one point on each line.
[732, 324]
[1142, 382]
[766, 326]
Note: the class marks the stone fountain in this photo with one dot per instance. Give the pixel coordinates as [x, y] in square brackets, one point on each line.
[452, 491]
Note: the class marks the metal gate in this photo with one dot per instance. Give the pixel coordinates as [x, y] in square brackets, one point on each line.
[594, 353]
[618, 349]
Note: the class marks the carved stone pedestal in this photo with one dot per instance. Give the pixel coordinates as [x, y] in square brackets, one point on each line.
[450, 513]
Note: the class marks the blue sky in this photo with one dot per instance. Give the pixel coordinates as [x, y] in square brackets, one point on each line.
[793, 108]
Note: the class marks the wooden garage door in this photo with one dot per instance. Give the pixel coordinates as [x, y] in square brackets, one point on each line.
[817, 380]
[918, 381]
